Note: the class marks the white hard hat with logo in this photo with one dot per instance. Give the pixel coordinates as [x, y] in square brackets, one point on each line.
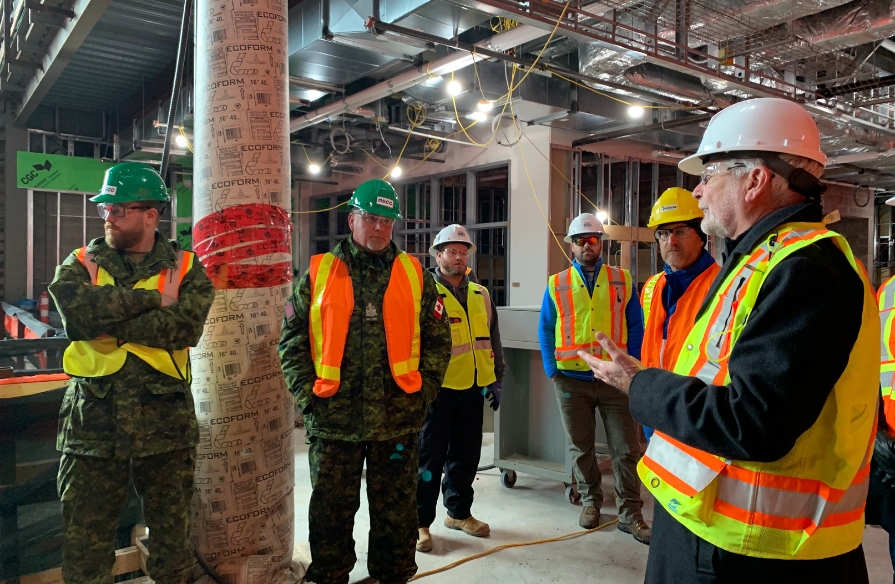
[584, 224]
[766, 124]
[452, 234]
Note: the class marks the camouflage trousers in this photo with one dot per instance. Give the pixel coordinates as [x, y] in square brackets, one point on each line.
[94, 491]
[336, 468]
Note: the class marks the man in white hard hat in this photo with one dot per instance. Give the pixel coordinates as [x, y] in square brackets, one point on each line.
[451, 439]
[587, 297]
[671, 298]
[764, 430]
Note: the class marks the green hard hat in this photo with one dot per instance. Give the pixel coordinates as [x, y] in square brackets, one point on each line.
[132, 181]
[377, 197]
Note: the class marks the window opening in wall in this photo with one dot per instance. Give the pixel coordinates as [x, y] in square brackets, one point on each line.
[479, 200]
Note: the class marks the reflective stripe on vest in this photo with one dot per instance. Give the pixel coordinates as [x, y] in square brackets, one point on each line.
[886, 299]
[579, 316]
[657, 350]
[808, 504]
[332, 302]
[105, 356]
[472, 358]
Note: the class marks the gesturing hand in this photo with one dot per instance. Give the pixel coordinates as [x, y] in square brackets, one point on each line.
[617, 372]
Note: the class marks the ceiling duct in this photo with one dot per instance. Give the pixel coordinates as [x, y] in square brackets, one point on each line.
[667, 81]
[845, 26]
[329, 43]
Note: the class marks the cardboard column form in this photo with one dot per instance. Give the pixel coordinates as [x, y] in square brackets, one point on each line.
[244, 516]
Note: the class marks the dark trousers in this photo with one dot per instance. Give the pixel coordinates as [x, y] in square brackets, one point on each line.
[336, 468]
[676, 556]
[881, 508]
[579, 402]
[94, 491]
[451, 441]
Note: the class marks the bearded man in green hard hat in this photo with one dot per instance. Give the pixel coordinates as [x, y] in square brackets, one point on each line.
[132, 304]
[364, 348]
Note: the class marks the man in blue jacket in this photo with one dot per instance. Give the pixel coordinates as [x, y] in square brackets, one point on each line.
[588, 297]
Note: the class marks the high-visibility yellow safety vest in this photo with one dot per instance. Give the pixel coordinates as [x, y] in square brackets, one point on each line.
[106, 355]
[886, 299]
[472, 358]
[332, 301]
[579, 315]
[809, 504]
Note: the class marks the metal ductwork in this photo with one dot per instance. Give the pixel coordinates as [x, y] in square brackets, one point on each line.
[328, 41]
[666, 81]
[849, 25]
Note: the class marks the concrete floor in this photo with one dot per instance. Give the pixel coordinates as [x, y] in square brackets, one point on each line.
[534, 509]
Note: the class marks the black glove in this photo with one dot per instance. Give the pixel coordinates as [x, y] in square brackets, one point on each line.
[493, 394]
[884, 456]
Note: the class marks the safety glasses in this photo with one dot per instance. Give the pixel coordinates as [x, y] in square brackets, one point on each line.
[582, 241]
[714, 169]
[374, 219]
[107, 210]
[679, 232]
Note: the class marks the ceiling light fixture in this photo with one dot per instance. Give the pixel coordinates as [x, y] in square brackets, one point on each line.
[602, 216]
[476, 116]
[313, 168]
[454, 87]
[635, 111]
[484, 105]
[180, 140]
[396, 172]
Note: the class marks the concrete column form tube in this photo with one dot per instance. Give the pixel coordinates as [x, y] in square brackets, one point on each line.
[244, 516]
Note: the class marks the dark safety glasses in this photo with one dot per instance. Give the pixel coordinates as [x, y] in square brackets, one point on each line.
[581, 241]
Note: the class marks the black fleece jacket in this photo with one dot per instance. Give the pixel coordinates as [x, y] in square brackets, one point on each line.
[785, 363]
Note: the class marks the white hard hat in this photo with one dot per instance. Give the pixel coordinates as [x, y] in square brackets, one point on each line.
[764, 124]
[452, 234]
[582, 225]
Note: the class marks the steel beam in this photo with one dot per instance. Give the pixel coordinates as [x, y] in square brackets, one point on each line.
[60, 52]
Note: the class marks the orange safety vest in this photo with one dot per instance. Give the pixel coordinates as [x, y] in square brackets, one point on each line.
[886, 299]
[104, 356]
[658, 351]
[580, 315]
[809, 504]
[332, 302]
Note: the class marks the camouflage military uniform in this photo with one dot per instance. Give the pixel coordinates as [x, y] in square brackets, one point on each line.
[370, 418]
[136, 417]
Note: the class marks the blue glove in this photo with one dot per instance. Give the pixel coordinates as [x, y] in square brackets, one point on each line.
[493, 394]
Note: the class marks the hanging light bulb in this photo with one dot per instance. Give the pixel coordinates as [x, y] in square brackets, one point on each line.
[476, 116]
[602, 216]
[484, 105]
[313, 168]
[635, 111]
[454, 87]
[180, 140]
[396, 172]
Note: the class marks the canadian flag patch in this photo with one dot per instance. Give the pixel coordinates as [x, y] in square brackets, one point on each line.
[439, 308]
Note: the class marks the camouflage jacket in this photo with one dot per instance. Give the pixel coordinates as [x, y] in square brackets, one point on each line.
[136, 411]
[369, 404]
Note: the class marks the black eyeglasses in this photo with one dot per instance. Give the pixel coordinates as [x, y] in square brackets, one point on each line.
[679, 232]
[116, 210]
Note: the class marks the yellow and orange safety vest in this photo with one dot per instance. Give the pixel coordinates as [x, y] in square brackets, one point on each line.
[105, 356]
[808, 504]
[579, 315]
[332, 301]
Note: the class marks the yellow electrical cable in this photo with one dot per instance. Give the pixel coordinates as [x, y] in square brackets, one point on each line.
[583, 196]
[508, 546]
[182, 133]
[533, 192]
[544, 48]
[342, 204]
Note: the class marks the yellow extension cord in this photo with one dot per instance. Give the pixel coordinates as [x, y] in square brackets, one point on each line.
[508, 546]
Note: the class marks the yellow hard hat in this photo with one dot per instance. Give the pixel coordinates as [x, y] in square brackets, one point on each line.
[674, 205]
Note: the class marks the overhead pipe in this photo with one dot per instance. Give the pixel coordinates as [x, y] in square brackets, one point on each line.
[541, 65]
[642, 129]
[178, 81]
[499, 42]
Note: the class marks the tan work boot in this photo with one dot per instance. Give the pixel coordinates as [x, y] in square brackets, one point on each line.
[638, 528]
[470, 526]
[590, 517]
[424, 540]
